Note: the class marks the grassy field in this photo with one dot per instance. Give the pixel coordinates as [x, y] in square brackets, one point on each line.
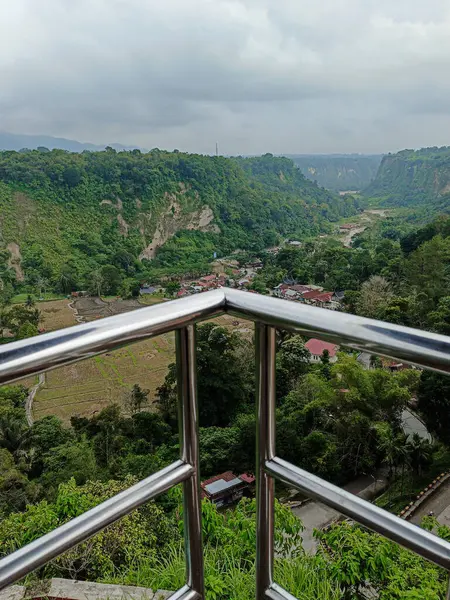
[86, 387]
[22, 298]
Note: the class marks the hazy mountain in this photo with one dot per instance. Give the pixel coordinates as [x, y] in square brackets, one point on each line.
[14, 141]
[338, 172]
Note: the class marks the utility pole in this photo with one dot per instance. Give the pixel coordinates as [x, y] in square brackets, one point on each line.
[217, 149]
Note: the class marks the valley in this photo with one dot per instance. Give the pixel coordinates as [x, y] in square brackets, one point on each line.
[84, 238]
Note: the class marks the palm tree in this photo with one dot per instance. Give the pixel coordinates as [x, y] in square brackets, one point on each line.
[420, 453]
[394, 449]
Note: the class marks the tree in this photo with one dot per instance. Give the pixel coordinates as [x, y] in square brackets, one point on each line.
[419, 453]
[440, 318]
[96, 282]
[71, 459]
[172, 287]
[292, 362]
[112, 279]
[27, 330]
[434, 403]
[136, 397]
[375, 295]
[325, 366]
[19, 315]
[224, 384]
[139, 536]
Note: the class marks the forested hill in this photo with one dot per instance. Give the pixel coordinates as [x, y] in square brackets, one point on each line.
[65, 215]
[341, 172]
[413, 177]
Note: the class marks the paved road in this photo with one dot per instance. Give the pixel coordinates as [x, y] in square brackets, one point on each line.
[30, 398]
[411, 424]
[438, 503]
[316, 515]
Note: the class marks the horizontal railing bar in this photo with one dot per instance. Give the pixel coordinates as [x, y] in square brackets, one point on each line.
[414, 538]
[422, 348]
[185, 593]
[276, 592]
[51, 350]
[32, 556]
[57, 348]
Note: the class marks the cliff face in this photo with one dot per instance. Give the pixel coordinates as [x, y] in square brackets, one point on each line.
[63, 212]
[412, 177]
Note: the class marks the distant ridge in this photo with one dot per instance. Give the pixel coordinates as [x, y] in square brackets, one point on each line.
[15, 141]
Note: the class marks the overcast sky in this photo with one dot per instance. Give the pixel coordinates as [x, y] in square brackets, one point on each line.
[293, 76]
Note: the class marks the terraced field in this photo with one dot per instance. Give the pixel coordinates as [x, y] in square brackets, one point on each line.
[86, 387]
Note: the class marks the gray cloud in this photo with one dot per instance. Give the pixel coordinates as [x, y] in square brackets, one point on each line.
[256, 75]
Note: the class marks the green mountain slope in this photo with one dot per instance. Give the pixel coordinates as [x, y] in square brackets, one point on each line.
[63, 212]
[413, 178]
[338, 172]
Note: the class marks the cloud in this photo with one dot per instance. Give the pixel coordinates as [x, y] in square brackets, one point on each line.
[256, 75]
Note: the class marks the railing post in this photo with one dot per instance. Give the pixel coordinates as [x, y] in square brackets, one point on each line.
[447, 596]
[265, 450]
[188, 424]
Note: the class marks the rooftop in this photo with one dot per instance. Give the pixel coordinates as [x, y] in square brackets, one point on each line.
[316, 347]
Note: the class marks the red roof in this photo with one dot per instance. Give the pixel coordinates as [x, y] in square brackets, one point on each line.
[301, 288]
[324, 297]
[311, 295]
[247, 477]
[227, 476]
[316, 347]
[208, 278]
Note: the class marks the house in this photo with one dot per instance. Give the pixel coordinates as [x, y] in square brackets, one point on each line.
[243, 282]
[309, 296]
[79, 294]
[301, 289]
[316, 348]
[208, 278]
[326, 300]
[295, 243]
[346, 227]
[290, 294]
[226, 488]
[147, 289]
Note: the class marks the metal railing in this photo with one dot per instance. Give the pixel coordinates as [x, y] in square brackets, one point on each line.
[51, 350]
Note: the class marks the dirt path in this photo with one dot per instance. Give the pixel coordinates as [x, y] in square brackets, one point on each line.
[347, 240]
[30, 398]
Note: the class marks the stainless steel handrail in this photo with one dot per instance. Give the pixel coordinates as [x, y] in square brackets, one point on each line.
[51, 350]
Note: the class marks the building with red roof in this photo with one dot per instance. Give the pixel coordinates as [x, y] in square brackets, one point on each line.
[316, 348]
[226, 488]
[310, 295]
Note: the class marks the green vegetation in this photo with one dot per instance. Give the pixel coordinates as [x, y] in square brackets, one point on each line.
[337, 420]
[414, 178]
[83, 221]
[339, 172]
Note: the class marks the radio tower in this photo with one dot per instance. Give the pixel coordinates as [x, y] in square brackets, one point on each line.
[217, 149]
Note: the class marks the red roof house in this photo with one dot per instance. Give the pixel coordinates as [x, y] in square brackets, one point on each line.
[310, 295]
[316, 348]
[324, 297]
[209, 278]
[226, 488]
